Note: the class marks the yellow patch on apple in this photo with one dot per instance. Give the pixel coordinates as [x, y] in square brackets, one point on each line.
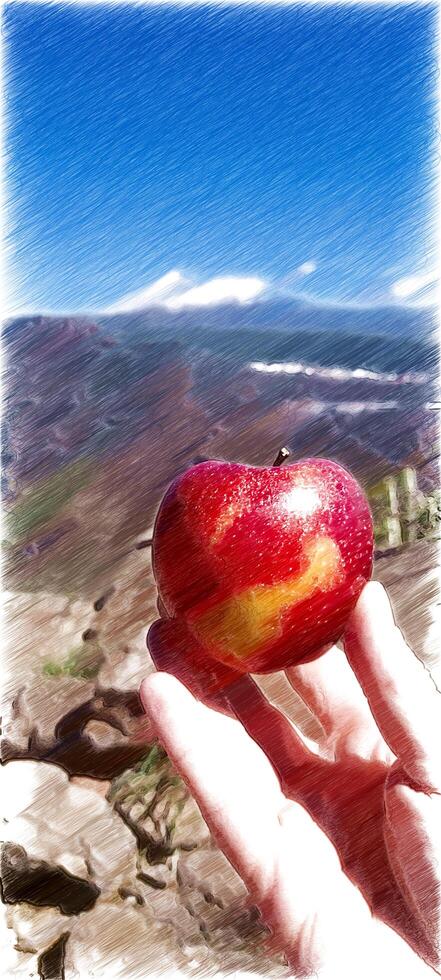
[244, 623]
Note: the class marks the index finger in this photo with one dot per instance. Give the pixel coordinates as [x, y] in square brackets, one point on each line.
[401, 692]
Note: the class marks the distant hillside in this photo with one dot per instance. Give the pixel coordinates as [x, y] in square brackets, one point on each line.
[288, 313]
[100, 415]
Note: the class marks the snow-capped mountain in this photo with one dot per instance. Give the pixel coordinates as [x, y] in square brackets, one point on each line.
[175, 291]
[250, 302]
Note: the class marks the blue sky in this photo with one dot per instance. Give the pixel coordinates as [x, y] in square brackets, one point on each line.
[295, 144]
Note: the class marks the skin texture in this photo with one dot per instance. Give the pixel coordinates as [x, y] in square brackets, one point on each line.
[260, 565]
[339, 841]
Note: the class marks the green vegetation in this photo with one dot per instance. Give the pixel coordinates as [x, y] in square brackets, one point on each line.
[72, 666]
[41, 502]
[154, 757]
[151, 780]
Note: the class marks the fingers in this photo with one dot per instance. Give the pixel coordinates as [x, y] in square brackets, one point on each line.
[288, 865]
[331, 691]
[269, 727]
[402, 696]
[233, 693]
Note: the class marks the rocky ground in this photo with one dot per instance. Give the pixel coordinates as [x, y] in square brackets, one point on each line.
[83, 898]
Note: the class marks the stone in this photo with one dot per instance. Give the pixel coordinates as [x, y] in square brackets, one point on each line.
[26, 879]
[51, 961]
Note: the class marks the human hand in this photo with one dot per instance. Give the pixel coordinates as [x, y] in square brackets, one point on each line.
[338, 841]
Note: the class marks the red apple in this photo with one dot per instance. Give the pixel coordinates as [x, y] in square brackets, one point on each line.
[258, 568]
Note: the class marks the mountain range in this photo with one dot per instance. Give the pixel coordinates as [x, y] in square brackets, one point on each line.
[102, 411]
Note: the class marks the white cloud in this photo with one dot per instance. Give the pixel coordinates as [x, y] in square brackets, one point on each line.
[225, 289]
[158, 291]
[307, 268]
[415, 285]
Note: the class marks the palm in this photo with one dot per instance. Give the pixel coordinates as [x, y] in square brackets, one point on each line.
[375, 805]
[347, 799]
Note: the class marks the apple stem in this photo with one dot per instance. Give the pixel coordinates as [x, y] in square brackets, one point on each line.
[281, 456]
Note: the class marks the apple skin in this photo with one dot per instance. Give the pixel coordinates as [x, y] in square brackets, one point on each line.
[258, 568]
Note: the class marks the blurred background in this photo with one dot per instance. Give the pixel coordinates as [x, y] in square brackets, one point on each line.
[221, 240]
